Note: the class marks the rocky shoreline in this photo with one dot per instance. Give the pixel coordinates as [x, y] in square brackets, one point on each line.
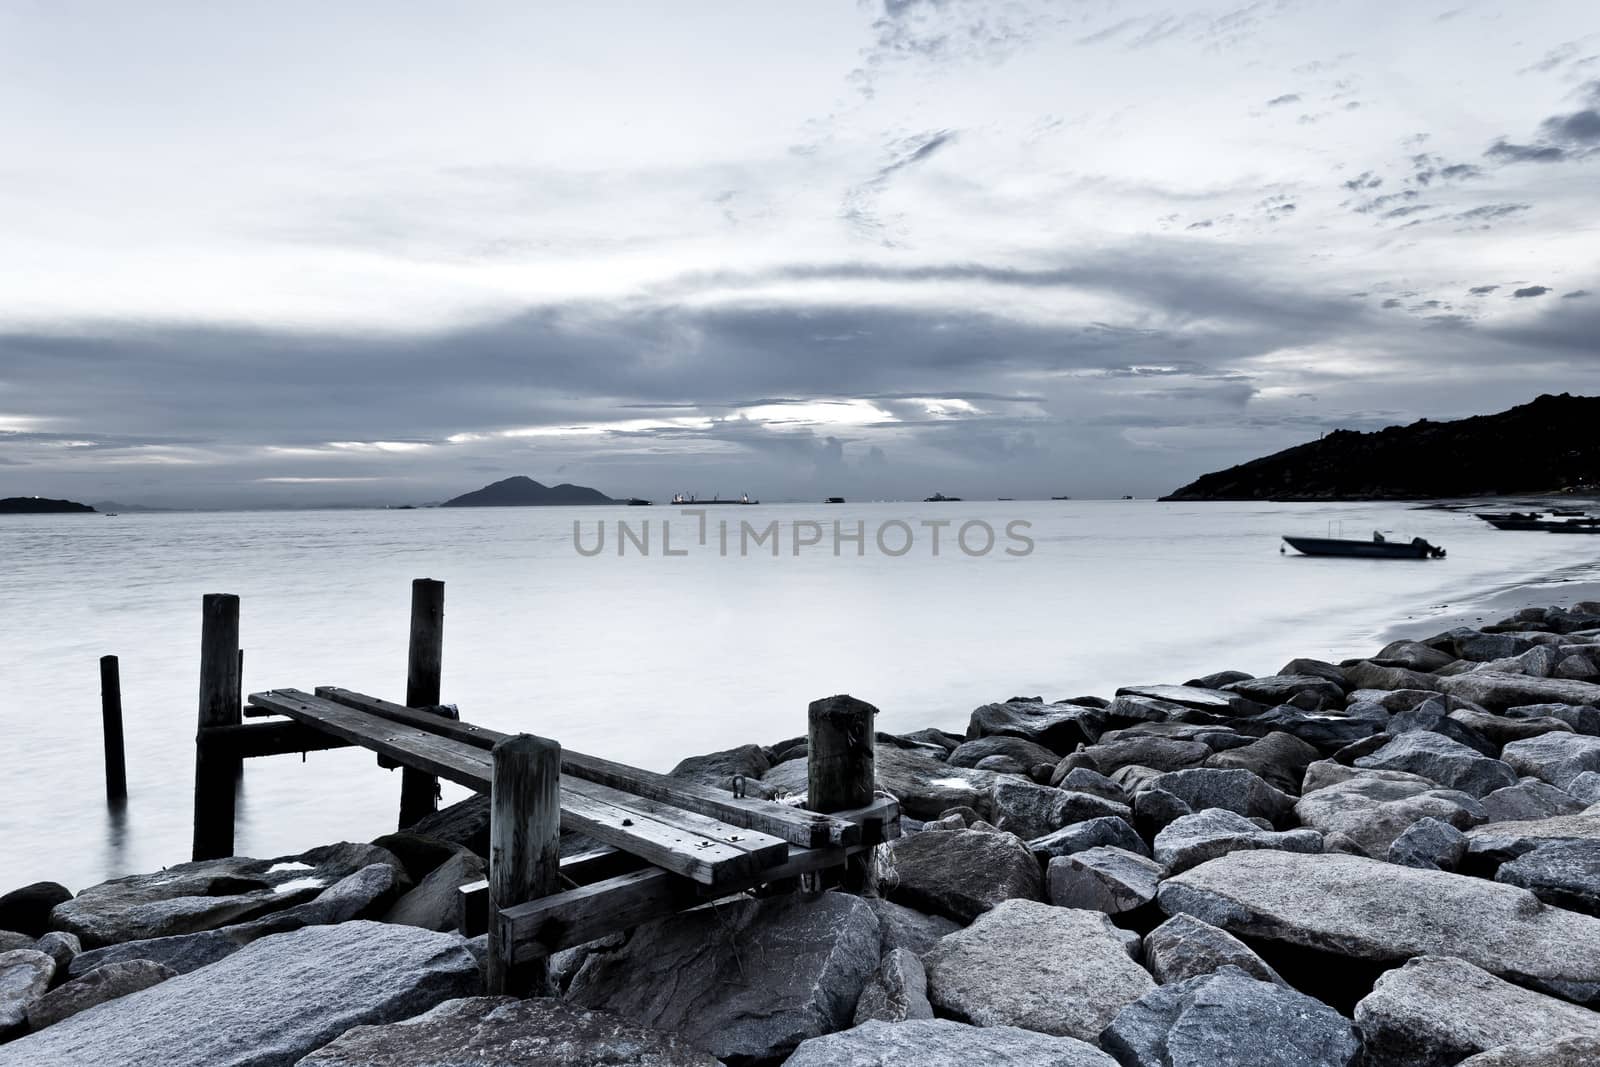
[1383, 862]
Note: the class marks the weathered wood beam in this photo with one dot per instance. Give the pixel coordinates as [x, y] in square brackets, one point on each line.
[524, 853]
[216, 774]
[419, 790]
[841, 770]
[274, 738]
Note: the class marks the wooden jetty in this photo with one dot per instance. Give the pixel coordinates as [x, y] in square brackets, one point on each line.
[668, 844]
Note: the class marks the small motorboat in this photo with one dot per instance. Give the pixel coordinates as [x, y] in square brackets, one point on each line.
[940, 498]
[834, 500]
[1377, 548]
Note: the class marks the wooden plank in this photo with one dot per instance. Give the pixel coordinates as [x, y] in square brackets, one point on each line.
[273, 738]
[472, 899]
[585, 807]
[795, 825]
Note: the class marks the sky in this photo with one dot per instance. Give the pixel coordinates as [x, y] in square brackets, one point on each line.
[309, 253]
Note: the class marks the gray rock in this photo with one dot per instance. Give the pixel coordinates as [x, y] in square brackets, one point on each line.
[907, 928]
[1083, 780]
[1429, 844]
[960, 873]
[1565, 874]
[1373, 811]
[924, 786]
[1091, 833]
[61, 947]
[10, 941]
[744, 979]
[1030, 810]
[361, 895]
[1585, 787]
[464, 824]
[1024, 752]
[899, 991]
[1556, 758]
[1059, 971]
[98, 986]
[1217, 701]
[1229, 1017]
[27, 910]
[1285, 688]
[1238, 791]
[1567, 1052]
[25, 974]
[204, 895]
[1279, 759]
[1186, 947]
[1059, 727]
[267, 1005]
[1369, 675]
[1378, 912]
[717, 769]
[1414, 655]
[1529, 799]
[1214, 832]
[1326, 772]
[942, 1043]
[432, 905]
[1156, 809]
[1502, 730]
[506, 1032]
[1436, 1010]
[1501, 841]
[1583, 719]
[1106, 879]
[1450, 763]
[1431, 716]
[1160, 753]
[1496, 690]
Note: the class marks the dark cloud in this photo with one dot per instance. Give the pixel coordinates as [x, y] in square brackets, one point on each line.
[1365, 180]
[1507, 152]
[1482, 290]
[1532, 290]
[1392, 303]
[1286, 98]
[1575, 294]
[1461, 171]
[1566, 136]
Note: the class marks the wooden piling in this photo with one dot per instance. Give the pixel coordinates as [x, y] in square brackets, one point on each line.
[216, 772]
[419, 791]
[111, 727]
[841, 769]
[524, 851]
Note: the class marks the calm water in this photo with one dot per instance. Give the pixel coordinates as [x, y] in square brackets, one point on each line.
[642, 659]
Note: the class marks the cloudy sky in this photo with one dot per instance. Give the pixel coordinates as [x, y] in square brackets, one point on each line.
[312, 252]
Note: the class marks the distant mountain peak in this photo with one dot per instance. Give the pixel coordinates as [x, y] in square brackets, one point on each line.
[521, 491]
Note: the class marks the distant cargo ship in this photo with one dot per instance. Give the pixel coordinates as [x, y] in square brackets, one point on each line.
[693, 501]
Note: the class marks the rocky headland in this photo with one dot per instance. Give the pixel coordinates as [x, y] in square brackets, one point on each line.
[1385, 862]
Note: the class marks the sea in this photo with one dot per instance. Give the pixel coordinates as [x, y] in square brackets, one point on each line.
[678, 633]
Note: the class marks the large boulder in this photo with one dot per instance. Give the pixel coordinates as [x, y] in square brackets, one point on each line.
[502, 1031]
[1144, 750]
[718, 769]
[1111, 880]
[926, 787]
[267, 1005]
[98, 986]
[1565, 874]
[942, 1043]
[1497, 690]
[1448, 762]
[27, 910]
[1216, 701]
[1091, 833]
[1058, 727]
[25, 974]
[1436, 1010]
[1186, 947]
[1567, 1052]
[1308, 691]
[207, 894]
[1378, 912]
[1055, 970]
[1501, 841]
[907, 928]
[1530, 799]
[1229, 1017]
[464, 824]
[1236, 790]
[899, 991]
[1025, 753]
[1372, 811]
[744, 980]
[1430, 845]
[960, 873]
[1368, 675]
[1214, 832]
[1582, 718]
[1556, 758]
[1279, 759]
[1030, 810]
[432, 905]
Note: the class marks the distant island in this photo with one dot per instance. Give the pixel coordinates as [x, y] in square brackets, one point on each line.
[522, 491]
[38, 505]
[1546, 446]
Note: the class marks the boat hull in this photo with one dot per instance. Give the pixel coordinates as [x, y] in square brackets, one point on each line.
[1331, 546]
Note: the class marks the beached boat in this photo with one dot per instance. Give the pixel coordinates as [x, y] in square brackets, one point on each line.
[1377, 548]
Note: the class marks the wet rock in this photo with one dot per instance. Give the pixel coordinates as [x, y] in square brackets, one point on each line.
[1279, 759]
[1432, 716]
[899, 991]
[1110, 880]
[432, 905]
[961, 873]
[1529, 799]
[744, 980]
[1502, 730]
[504, 1031]
[10, 941]
[924, 786]
[418, 854]
[1156, 809]
[1214, 832]
[1030, 810]
[1217, 701]
[1583, 720]
[1238, 791]
[61, 947]
[1024, 752]
[27, 910]
[191, 897]
[1368, 675]
[1556, 758]
[269, 1004]
[98, 986]
[1326, 772]
[1567, 1052]
[1285, 688]
[1502, 841]
[1585, 787]
[1377, 912]
[1429, 844]
[1055, 970]
[718, 769]
[25, 974]
[1565, 874]
[1450, 763]
[1186, 947]
[1317, 668]
[464, 823]
[1495, 690]
[1467, 643]
[1575, 666]
[1160, 753]
[1084, 780]
[1434, 1011]
[907, 928]
[1059, 727]
[1229, 1017]
[942, 1043]
[1414, 655]
[1222, 678]
[1091, 833]
[1373, 811]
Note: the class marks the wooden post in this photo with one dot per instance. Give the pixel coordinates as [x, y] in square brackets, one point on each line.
[111, 726]
[419, 791]
[841, 768]
[524, 851]
[216, 775]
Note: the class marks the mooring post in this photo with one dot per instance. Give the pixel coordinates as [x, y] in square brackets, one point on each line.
[215, 774]
[524, 851]
[419, 791]
[841, 768]
[111, 726]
